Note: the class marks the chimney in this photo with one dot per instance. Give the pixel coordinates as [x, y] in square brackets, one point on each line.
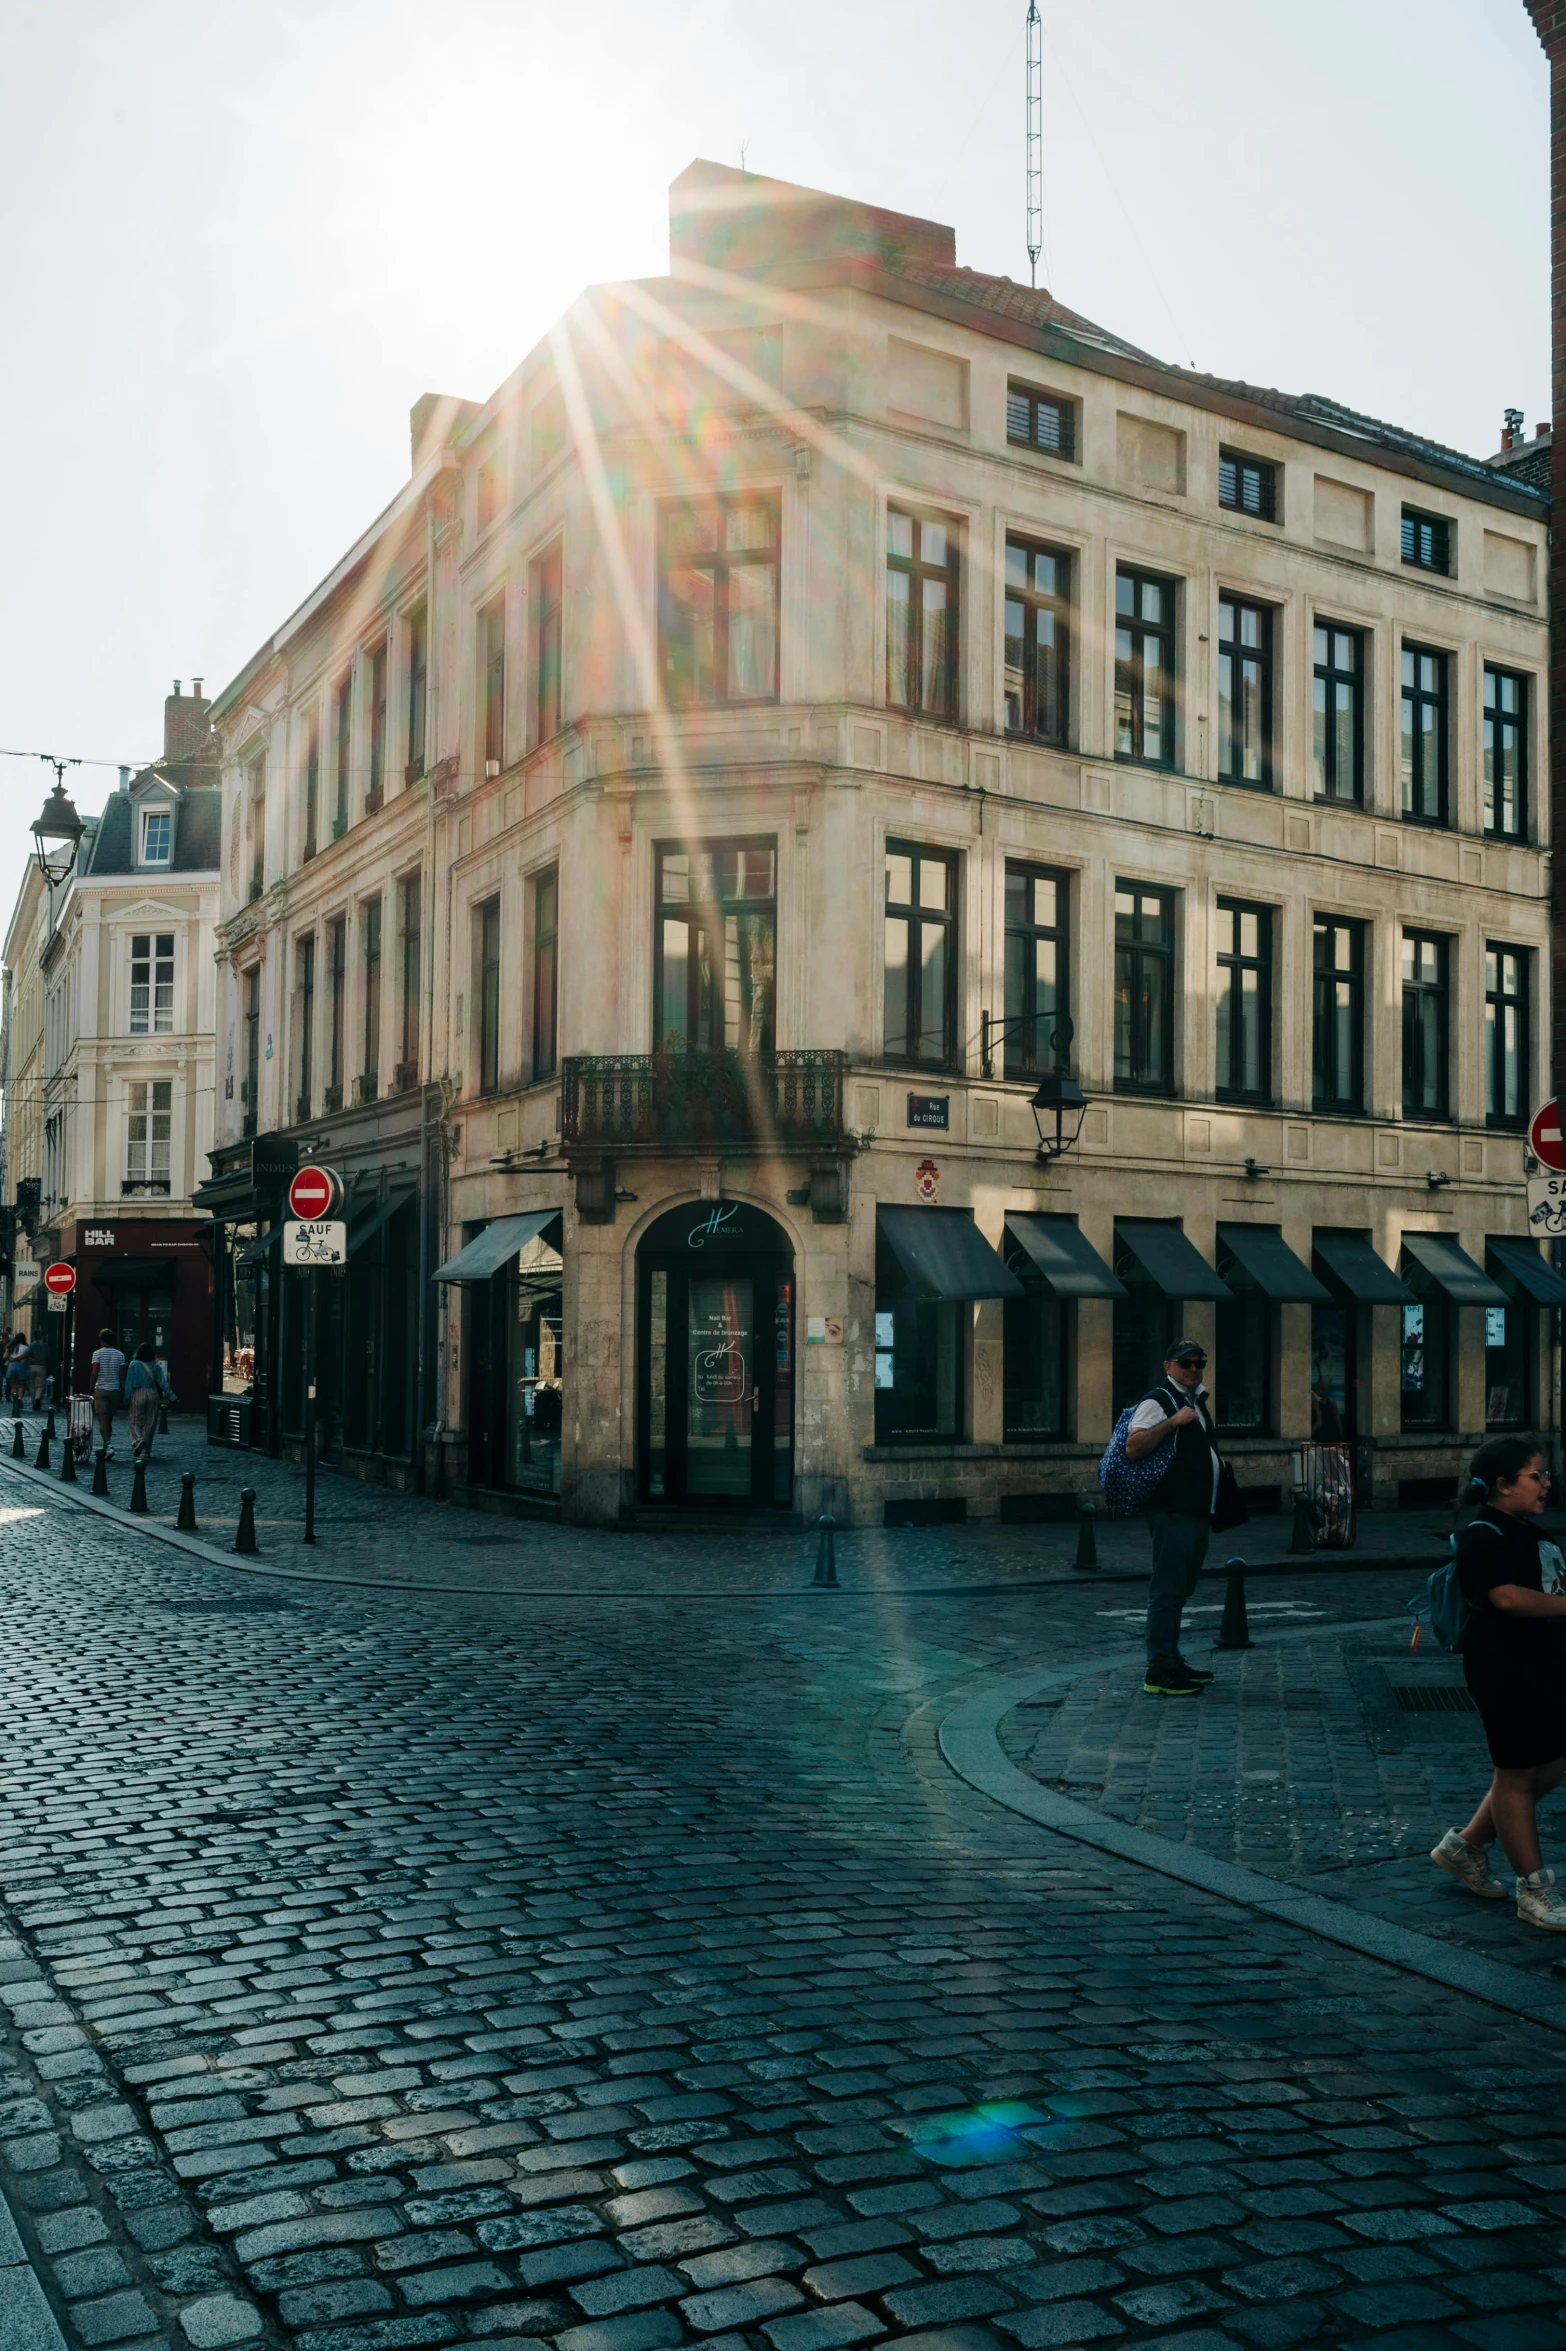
[185, 723]
[1512, 427]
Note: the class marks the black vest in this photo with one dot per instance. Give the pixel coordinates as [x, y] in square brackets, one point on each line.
[1187, 1484]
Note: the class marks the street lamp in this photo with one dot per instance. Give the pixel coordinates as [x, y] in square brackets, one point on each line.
[57, 830]
[1058, 1094]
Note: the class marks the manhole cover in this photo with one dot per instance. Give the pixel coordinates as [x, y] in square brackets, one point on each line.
[1433, 1698]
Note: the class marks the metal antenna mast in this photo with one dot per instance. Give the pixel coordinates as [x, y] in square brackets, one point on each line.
[1035, 141]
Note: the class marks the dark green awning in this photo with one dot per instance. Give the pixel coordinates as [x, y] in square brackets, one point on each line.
[1261, 1251]
[1170, 1262]
[256, 1252]
[373, 1216]
[1453, 1270]
[943, 1254]
[1531, 1272]
[1068, 1263]
[1354, 1274]
[496, 1246]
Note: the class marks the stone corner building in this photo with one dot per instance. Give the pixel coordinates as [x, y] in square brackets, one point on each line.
[823, 700]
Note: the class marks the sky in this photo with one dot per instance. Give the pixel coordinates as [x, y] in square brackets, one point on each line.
[238, 241]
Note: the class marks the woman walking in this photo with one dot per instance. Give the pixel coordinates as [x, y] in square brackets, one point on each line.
[1514, 1662]
[145, 1391]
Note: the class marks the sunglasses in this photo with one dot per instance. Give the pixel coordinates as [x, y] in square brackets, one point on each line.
[1192, 1362]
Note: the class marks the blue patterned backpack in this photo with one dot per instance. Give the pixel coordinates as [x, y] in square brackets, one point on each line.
[1129, 1485]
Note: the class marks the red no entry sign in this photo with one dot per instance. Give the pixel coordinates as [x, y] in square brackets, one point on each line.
[314, 1193]
[60, 1279]
[1544, 1140]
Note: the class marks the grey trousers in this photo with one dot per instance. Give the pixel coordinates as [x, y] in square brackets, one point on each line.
[1179, 1548]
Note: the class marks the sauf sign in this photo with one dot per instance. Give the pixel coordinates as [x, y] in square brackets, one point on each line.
[1546, 1173]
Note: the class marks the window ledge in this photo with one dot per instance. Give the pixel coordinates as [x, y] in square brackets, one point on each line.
[931, 1449]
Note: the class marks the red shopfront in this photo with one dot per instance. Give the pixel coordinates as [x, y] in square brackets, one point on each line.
[144, 1280]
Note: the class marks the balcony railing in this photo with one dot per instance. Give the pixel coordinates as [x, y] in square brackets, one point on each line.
[748, 1101]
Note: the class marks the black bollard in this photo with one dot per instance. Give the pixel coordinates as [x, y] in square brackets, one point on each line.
[41, 1459]
[16, 1407]
[49, 1422]
[18, 1448]
[163, 1420]
[100, 1474]
[1087, 1534]
[825, 1578]
[185, 1518]
[138, 1500]
[1234, 1632]
[245, 1539]
[67, 1463]
[1304, 1535]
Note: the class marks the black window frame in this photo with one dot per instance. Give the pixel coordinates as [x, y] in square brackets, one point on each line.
[1427, 541]
[1235, 960]
[1435, 1352]
[370, 969]
[304, 1016]
[256, 775]
[1497, 721]
[312, 786]
[1416, 697]
[679, 686]
[492, 682]
[337, 982]
[417, 625]
[1254, 661]
[918, 917]
[1343, 1101]
[342, 717]
[1131, 673]
[1021, 930]
[410, 927]
[380, 660]
[1047, 724]
[1047, 421]
[546, 972]
[941, 706]
[1427, 1104]
[486, 963]
[1038, 1350]
[1239, 472]
[250, 1079]
[1136, 957]
[1329, 678]
[1245, 1337]
[546, 575]
[704, 905]
[1499, 1000]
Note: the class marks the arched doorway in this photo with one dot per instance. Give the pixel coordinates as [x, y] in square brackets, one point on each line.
[715, 1359]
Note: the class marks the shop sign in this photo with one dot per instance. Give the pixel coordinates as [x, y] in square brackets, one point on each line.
[929, 1110]
[927, 1179]
[24, 1275]
[97, 1236]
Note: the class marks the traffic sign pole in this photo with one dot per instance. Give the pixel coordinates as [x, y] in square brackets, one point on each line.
[314, 1197]
[312, 1283]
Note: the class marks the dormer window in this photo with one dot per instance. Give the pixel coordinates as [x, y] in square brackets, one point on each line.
[157, 831]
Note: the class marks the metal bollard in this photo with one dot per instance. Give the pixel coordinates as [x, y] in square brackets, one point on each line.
[49, 1422]
[67, 1463]
[18, 1448]
[1234, 1632]
[185, 1516]
[825, 1578]
[245, 1539]
[100, 1474]
[16, 1407]
[163, 1420]
[41, 1458]
[1304, 1535]
[1087, 1534]
[138, 1500]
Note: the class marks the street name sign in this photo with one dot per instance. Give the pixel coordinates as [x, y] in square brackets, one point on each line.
[319, 1241]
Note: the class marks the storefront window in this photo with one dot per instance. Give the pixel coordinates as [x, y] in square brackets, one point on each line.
[1426, 1354]
[918, 1370]
[1508, 1346]
[1331, 1375]
[1036, 1329]
[536, 1388]
[242, 1311]
[1145, 1322]
[1242, 1371]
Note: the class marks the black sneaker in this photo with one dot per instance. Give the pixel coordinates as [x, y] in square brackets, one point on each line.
[1172, 1681]
[1198, 1673]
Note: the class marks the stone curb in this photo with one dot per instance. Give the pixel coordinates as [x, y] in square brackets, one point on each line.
[1317, 1563]
[26, 2321]
[969, 1739]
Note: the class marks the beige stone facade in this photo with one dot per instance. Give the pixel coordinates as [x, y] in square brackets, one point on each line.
[611, 688]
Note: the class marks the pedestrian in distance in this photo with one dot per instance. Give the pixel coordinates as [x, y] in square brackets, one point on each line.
[1174, 1417]
[37, 1371]
[108, 1378]
[144, 1392]
[16, 1369]
[1514, 1662]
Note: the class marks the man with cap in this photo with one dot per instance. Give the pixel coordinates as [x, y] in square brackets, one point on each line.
[1173, 1418]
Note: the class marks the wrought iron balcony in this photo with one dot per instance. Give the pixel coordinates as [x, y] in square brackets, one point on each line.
[688, 1098]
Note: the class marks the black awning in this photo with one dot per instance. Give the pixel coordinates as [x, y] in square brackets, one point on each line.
[1068, 1263]
[1170, 1262]
[1261, 1251]
[1354, 1274]
[943, 1254]
[257, 1251]
[1520, 1261]
[1453, 1270]
[373, 1216]
[137, 1273]
[497, 1245]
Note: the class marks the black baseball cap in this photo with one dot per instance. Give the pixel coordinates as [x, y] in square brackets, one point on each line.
[1179, 1349]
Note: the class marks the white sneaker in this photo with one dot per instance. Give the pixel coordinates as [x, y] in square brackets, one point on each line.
[1541, 1902]
[1471, 1869]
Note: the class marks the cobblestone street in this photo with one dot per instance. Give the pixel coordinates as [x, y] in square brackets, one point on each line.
[394, 1968]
